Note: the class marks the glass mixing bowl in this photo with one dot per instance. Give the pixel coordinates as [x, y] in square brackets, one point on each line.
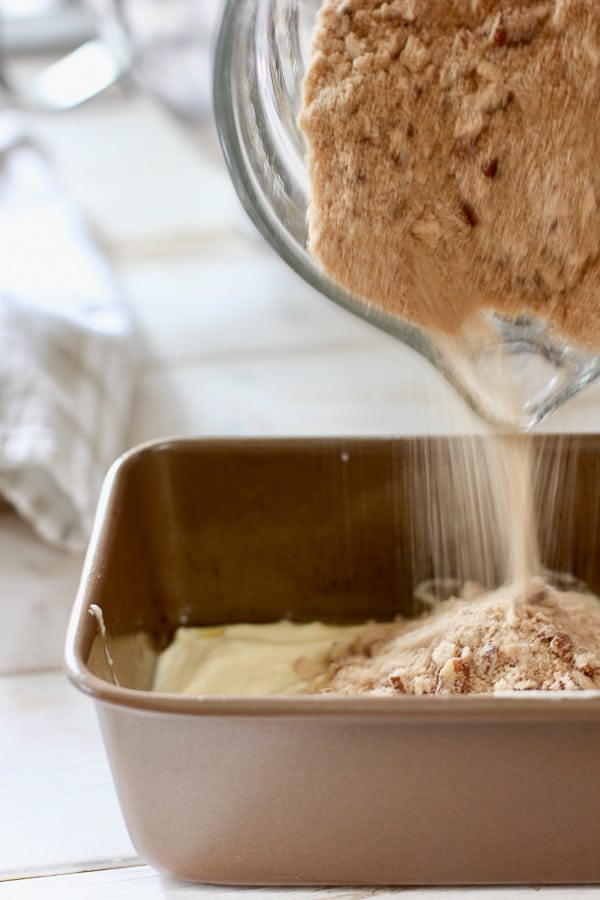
[261, 55]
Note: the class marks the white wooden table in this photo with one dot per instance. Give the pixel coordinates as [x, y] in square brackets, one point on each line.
[234, 344]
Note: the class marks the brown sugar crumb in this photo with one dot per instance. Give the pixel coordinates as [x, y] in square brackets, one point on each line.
[490, 170]
[470, 214]
[491, 642]
[418, 98]
[500, 37]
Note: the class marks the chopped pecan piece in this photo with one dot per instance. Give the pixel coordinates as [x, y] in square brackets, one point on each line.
[562, 645]
[470, 214]
[397, 684]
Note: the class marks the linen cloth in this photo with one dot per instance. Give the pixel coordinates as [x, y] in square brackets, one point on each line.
[67, 350]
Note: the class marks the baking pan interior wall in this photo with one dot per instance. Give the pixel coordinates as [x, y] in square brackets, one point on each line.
[212, 532]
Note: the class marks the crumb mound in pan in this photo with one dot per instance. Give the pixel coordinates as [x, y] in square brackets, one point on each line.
[479, 643]
[475, 643]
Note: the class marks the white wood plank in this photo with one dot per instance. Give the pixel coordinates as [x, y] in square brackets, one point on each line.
[149, 181]
[37, 589]
[235, 297]
[142, 882]
[379, 389]
[374, 388]
[58, 801]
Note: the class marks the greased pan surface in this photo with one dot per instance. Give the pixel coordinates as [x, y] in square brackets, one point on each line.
[323, 790]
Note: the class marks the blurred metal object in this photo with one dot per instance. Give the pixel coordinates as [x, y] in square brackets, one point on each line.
[170, 45]
[165, 47]
[40, 29]
[74, 79]
[43, 26]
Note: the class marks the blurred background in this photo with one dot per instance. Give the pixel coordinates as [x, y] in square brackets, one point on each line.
[166, 45]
